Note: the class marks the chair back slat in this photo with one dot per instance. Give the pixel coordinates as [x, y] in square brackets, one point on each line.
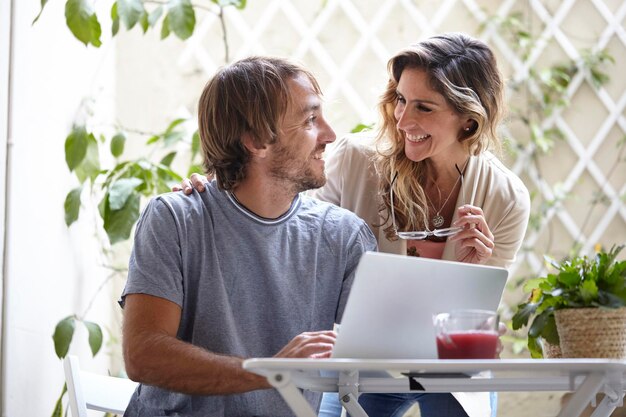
[89, 391]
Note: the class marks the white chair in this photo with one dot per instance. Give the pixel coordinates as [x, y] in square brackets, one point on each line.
[89, 391]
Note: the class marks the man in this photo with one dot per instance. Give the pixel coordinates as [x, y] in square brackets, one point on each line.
[248, 268]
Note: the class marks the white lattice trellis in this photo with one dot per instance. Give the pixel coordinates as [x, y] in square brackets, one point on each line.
[348, 42]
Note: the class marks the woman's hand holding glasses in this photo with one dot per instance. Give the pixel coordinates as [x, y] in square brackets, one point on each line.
[475, 242]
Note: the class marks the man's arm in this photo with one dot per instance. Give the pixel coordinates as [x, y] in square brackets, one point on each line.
[154, 356]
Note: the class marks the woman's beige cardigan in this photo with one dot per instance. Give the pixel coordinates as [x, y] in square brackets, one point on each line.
[352, 183]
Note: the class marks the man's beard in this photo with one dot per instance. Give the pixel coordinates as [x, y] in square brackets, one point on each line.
[295, 173]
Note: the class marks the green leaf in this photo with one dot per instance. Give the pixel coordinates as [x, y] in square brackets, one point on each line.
[167, 159]
[198, 169]
[539, 139]
[62, 336]
[550, 332]
[119, 171]
[119, 223]
[171, 138]
[115, 27]
[72, 205]
[155, 15]
[83, 22]
[130, 12]
[58, 407]
[589, 291]
[165, 179]
[76, 147]
[182, 18]
[361, 128]
[165, 27]
[143, 22]
[531, 284]
[569, 279]
[115, 18]
[117, 144]
[240, 4]
[175, 123]
[598, 78]
[43, 4]
[608, 299]
[95, 336]
[521, 317]
[195, 144]
[535, 348]
[536, 328]
[121, 190]
[103, 205]
[90, 166]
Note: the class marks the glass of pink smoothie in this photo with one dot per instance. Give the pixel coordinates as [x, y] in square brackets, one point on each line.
[467, 334]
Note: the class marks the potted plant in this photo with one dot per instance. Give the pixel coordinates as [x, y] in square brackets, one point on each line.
[581, 304]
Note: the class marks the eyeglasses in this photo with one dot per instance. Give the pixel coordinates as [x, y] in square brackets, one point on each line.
[421, 235]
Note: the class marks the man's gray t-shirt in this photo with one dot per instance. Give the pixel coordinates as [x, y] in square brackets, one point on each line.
[246, 285]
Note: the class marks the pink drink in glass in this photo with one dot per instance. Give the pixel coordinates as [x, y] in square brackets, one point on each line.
[467, 345]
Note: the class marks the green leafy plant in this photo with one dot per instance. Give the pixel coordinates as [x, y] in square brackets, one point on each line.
[542, 93]
[117, 188]
[577, 283]
[64, 332]
[176, 16]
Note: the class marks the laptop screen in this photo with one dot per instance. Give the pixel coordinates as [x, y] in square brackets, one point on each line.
[393, 299]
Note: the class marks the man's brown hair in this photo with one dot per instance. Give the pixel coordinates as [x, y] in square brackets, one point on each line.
[248, 96]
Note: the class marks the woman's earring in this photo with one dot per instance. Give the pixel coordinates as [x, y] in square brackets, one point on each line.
[467, 129]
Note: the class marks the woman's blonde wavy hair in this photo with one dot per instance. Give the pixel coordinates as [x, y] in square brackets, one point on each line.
[465, 72]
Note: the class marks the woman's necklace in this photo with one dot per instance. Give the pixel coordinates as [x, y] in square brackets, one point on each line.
[437, 220]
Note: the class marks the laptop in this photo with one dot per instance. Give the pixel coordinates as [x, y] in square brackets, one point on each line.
[389, 311]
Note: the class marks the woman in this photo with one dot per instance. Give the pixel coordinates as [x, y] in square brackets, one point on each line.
[427, 184]
[440, 112]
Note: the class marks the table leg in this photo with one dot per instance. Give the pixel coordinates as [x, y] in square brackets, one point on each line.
[351, 404]
[291, 394]
[348, 387]
[583, 396]
[606, 406]
[613, 396]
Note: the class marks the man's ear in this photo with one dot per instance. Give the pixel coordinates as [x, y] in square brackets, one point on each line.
[252, 146]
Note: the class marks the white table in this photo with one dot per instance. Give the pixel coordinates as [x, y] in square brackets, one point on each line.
[351, 377]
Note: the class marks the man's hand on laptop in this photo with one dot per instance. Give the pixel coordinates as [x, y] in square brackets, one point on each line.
[314, 345]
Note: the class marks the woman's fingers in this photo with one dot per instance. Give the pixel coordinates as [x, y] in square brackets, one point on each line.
[469, 216]
[472, 220]
[198, 181]
[474, 234]
[184, 186]
[472, 246]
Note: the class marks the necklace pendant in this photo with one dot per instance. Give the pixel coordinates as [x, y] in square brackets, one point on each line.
[438, 220]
